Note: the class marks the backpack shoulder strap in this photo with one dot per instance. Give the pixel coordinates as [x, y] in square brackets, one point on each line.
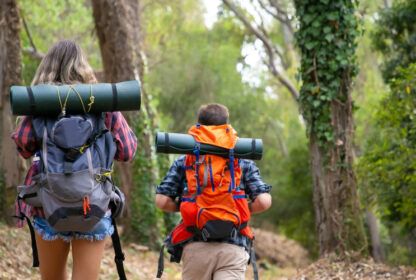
[161, 262]
[252, 259]
[119, 255]
[205, 180]
[32, 233]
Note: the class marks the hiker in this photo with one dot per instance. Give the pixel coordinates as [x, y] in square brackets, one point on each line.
[63, 64]
[217, 251]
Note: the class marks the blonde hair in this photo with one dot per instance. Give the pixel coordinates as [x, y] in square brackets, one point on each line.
[64, 63]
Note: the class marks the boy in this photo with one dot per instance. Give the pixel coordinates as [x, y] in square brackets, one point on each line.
[224, 258]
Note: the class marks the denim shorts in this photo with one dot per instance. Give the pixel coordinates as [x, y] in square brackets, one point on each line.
[101, 230]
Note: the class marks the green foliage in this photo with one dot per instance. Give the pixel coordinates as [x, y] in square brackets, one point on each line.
[293, 211]
[400, 247]
[395, 36]
[386, 169]
[368, 88]
[327, 41]
[198, 66]
[388, 166]
[145, 219]
[51, 21]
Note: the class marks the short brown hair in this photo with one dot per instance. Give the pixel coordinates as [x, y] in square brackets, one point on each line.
[213, 114]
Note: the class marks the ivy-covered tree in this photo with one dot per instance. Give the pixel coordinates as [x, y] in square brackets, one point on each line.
[327, 41]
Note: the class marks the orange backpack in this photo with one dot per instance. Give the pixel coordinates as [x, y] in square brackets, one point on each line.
[213, 207]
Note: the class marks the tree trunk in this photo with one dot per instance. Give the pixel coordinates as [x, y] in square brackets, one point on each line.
[327, 108]
[377, 250]
[119, 32]
[336, 201]
[11, 166]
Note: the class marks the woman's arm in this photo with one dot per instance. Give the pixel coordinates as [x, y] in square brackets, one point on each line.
[25, 138]
[125, 139]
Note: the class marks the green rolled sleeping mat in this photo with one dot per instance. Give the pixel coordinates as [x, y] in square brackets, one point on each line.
[177, 143]
[50, 100]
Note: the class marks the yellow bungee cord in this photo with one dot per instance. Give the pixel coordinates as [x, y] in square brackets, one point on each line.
[72, 88]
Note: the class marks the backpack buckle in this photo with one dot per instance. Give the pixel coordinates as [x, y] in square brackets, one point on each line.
[119, 259]
[205, 234]
[72, 154]
[233, 234]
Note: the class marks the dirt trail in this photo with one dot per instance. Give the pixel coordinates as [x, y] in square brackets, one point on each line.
[334, 268]
[140, 263]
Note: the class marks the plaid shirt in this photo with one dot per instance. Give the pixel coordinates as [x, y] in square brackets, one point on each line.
[251, 182]
[27, 146]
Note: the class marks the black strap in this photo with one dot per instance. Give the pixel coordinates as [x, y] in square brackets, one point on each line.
[253, 146]
[253, 261]
[34, 247]
[29, 195]
[161, 263]
[68, 167]
[115, 98]
[72, 154]
[166, 140]
[31, 100]
[119, 255]
[32, 234]
[242, 226]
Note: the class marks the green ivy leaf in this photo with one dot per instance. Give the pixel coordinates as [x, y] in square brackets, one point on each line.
[329, 37]
[332, 16]
[310, 45]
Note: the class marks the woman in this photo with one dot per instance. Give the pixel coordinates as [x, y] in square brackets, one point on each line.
[65, 64]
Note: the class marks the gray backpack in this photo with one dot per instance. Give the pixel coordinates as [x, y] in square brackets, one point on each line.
[74, 185]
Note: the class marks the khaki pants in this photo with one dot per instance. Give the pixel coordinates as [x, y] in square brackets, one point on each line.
[213, 261]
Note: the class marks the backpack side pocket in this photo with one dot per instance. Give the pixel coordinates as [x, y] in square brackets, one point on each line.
[30, 195]
[117, 201]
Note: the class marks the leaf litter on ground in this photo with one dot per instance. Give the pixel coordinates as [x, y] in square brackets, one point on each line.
[141, 263]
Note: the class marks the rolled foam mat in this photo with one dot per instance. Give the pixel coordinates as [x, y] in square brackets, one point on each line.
[177, 143]
[46, 100]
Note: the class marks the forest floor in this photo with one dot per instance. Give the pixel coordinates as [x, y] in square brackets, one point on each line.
[140, 263]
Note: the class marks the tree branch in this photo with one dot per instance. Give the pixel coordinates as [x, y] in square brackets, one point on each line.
[387, 4]
[285, 19]
[33, 52]
[271, 50]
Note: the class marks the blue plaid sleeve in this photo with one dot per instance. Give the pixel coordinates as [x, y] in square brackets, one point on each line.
[172, 185]
[251, 180]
